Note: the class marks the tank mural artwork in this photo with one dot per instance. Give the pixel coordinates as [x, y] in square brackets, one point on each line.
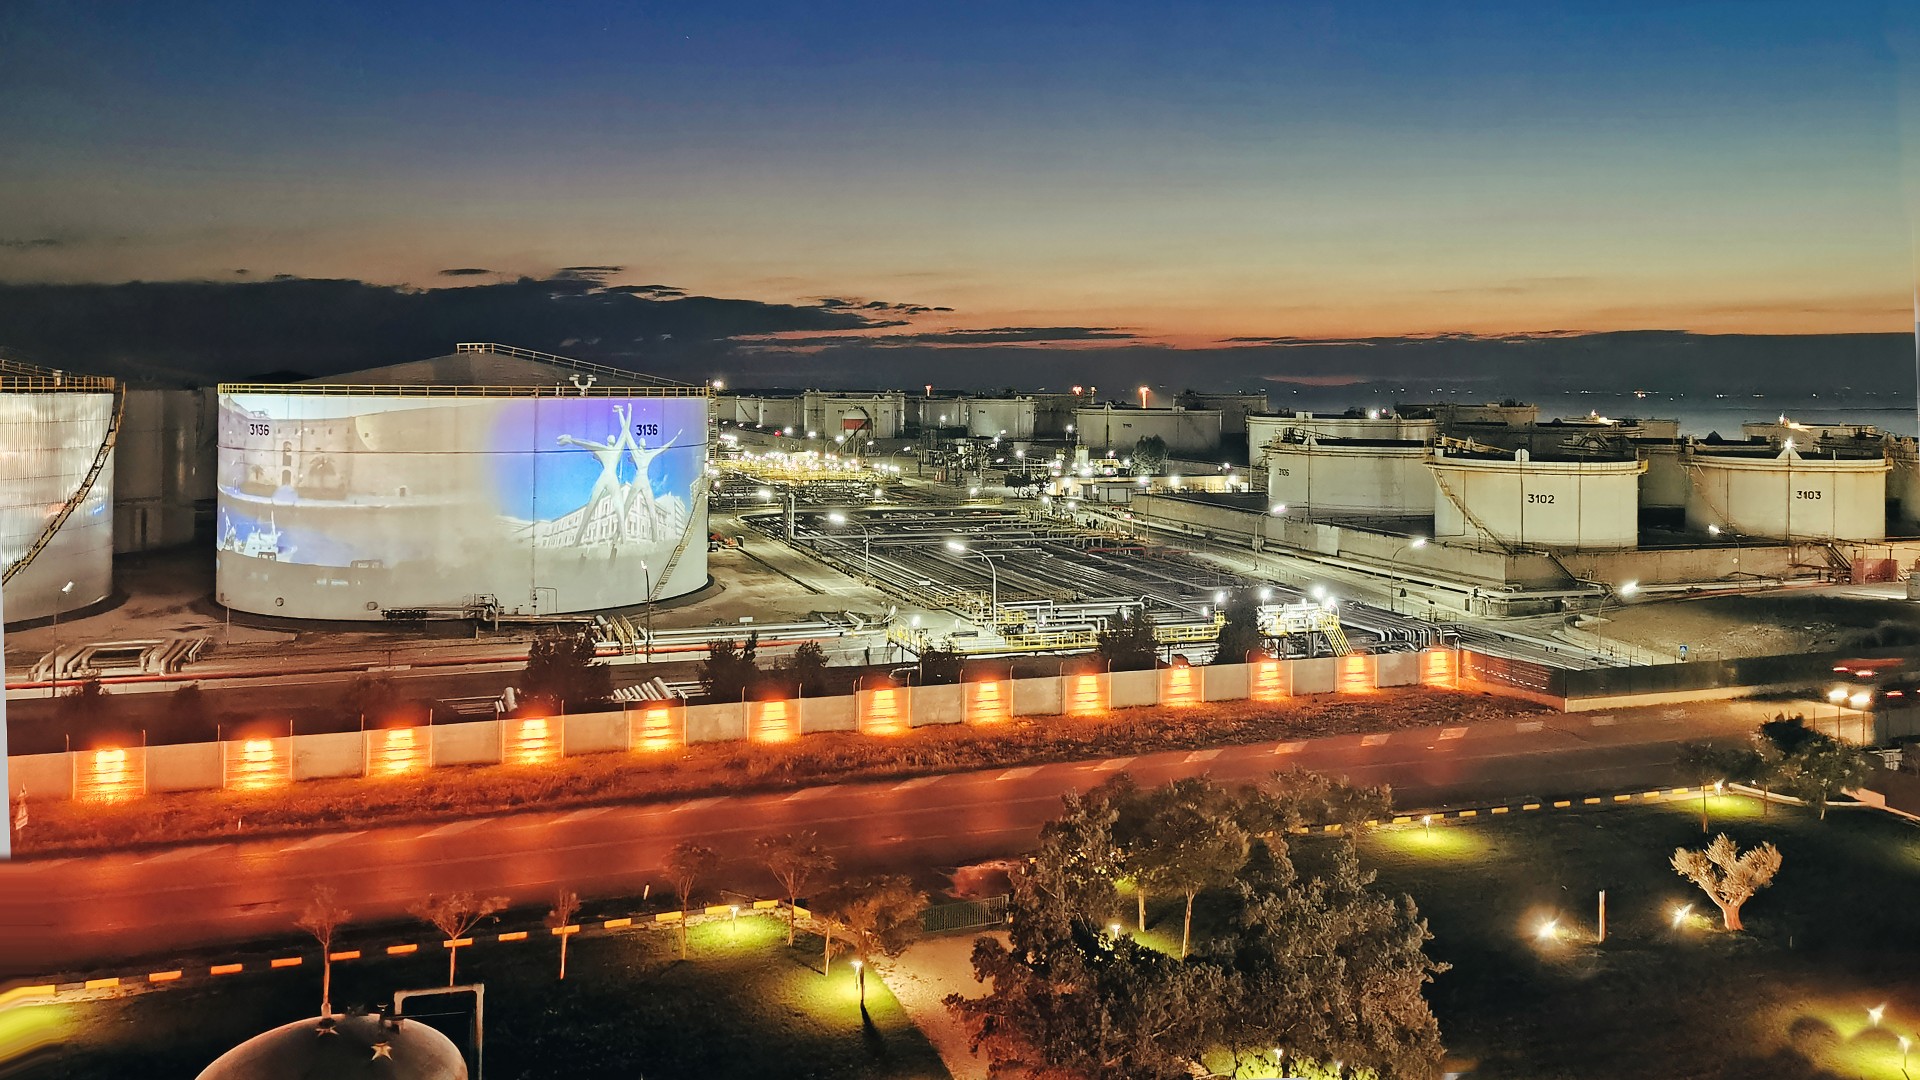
[339, 506]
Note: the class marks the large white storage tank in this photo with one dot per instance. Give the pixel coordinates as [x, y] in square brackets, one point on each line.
[345, 501]
[1263, 428]
[1519, 500]
[1377, 477]
[1185, 431]
[52, 429]
[1788, 496]
[160, 468]
[1665, 485]
[1903, 483]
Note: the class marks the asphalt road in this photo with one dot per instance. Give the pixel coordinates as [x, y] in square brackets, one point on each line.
[68, 914]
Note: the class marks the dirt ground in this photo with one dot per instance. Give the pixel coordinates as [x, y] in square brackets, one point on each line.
[1765, 624]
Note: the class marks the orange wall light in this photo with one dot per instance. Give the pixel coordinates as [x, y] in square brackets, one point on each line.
[1267, 680]
[1179, 685]
[1356, 674]
[532, 740]
[884, 711]
[255, 764]
[659, 727]
[1436, 667]
[773, 721]
[1086, 695]
[110, 774]
[395, 751]
[989, 701]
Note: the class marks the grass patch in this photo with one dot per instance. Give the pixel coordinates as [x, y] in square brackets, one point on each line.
[735, 767]
[1787, 999]
[744, 1005]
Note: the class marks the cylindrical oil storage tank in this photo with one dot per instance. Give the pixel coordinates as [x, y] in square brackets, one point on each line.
[1785, 496]
[1522, 500]
[1361, 476]
[53, 428]
[157, 468]
[1903, 483]
[1264, 428]
[1665, 485]
[348, 501]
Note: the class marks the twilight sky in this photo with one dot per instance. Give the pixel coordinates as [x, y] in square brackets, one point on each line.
[1188, 172]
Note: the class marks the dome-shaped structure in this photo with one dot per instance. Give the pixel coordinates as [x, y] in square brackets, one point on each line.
[343, 1048]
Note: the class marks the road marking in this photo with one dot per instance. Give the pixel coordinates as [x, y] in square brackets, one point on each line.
[453, 828]
[1202, 755]
[1289, 747]
[1015, 774]
[1527, 727]
[175, 855]
[698, 803]
[1674, 714]
[1373, 740]
[320, 841]
[806, 793]
[1453, 733]
[918, 781]
[582, 815]
[1605, 721]
[1115, 763]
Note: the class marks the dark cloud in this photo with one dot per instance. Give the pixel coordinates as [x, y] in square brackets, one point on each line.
[30, 243]
[661, 291]
[465, 271]
[211, 330]
[880, 306]
[595, 274]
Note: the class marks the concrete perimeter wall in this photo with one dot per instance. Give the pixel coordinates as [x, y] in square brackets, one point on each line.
[118, 773]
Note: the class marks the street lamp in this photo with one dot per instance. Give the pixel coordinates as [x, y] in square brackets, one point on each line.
[860, 976]
[646, 577]
[1393, 571]
[64, 590]
[866, 536]
[993, 576]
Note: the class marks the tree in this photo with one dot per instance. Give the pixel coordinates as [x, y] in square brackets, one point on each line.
[1150, 456]
[1322, 964]
[188, 709]
[323, 917]
[1126, 642]
[731, 671]
[87, 701]
[1728, 877]
[687, 863]
[795, 859]
[939, 667]
[564, 670]
[566, 904]
[1705, 766]
[805, 672]
[455, 915]
[1240, 633]
[1191, 841]
[872, 917]
[1300, 798]
[1811, 765]
[1823, 768]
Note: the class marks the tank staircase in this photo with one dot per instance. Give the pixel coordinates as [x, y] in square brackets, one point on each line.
[1466, 512]
[100, 459]
[696, 524]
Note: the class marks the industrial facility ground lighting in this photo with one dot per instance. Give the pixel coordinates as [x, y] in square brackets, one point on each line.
[993, 576]
[866, 536]
[1393, 571]
[64, 591]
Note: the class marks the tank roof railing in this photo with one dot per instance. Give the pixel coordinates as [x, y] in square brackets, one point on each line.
[582, 366]
[450, 390]
[18, 376]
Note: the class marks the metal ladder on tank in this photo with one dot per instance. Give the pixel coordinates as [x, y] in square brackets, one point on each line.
[100, 459]
[696, 523]
[1473, 518]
